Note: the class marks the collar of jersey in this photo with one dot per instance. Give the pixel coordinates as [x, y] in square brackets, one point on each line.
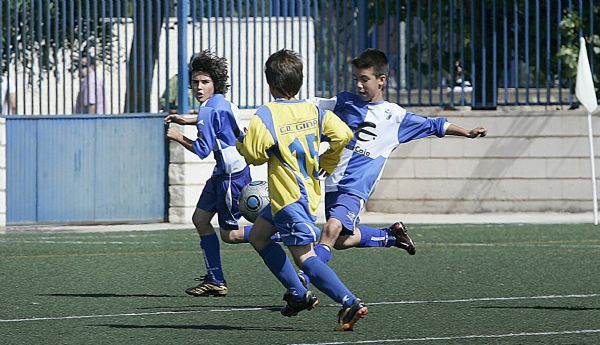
[283, 100]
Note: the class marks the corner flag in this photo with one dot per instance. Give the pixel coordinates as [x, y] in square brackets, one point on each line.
[584, 89]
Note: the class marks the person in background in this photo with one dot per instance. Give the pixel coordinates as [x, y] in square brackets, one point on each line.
[90, 99]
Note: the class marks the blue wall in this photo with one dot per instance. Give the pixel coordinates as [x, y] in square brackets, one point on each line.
[84, 169]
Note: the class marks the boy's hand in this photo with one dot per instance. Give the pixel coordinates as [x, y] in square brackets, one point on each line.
[173, 134]
[477, 132]
[176, 119]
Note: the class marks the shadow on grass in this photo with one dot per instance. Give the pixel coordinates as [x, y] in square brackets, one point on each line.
[541, 308]
[105, 295]
[215, 307]
[205, 327]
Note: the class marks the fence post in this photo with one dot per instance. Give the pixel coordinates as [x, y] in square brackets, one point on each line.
[484, 57]
[183, 106]
[363, 25]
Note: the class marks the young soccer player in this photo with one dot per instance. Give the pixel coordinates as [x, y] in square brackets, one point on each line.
[286, 135]
[218, 124]
[379, 127]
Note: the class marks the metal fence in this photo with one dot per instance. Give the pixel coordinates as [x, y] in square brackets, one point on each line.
[441, 52]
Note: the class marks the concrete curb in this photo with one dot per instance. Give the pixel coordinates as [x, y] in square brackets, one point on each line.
[366, 218]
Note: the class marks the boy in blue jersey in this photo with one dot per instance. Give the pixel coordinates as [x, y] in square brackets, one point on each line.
[218, 124]
[379, 127]
[286, 134]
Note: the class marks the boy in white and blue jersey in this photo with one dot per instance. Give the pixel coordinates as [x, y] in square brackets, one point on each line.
[286, 135]
[379, 127]
[218, 125]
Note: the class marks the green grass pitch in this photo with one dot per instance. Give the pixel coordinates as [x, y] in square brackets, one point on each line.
[467, 284]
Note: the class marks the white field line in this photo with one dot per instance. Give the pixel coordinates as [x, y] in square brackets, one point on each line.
[484, 299]
[463, 337]
[85, 242]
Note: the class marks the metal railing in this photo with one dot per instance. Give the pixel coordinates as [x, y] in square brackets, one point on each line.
[140, 46]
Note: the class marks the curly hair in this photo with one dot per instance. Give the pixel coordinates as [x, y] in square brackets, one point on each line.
[213, 65]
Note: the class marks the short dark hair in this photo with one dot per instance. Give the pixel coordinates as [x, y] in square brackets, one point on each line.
[372, 58]
[283, 70]
[213, 65]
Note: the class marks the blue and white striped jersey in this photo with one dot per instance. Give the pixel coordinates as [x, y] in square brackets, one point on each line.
[218, 126]
[379, 127]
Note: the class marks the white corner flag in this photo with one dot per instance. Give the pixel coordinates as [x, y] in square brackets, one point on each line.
[586, 94]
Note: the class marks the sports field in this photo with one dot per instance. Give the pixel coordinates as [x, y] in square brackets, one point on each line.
[468, 284]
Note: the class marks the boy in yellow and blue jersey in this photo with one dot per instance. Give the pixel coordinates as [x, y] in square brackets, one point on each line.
[286, 134]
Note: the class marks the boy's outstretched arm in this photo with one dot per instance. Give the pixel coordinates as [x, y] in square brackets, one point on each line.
[181, 120]
[459, 131]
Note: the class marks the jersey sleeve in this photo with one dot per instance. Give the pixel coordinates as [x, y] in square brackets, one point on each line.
[324, 103]
[338, 134]
[208, 123]
[414, 127]
[254, 145]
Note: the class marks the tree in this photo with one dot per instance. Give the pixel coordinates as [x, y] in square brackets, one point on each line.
[35, 32]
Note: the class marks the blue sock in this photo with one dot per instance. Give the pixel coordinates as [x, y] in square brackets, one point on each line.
[212, 257]
[280, 265]
[372, 237]
[323, 252]
[247, 229]
[276, 236]
[325, 279]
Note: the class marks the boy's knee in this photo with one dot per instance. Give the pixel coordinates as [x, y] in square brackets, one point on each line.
[331, 232]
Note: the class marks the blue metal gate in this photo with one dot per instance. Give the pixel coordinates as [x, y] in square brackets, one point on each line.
[84, 169]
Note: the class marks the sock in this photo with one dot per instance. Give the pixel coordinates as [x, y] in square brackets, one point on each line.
[372, 237]
[212, 257]
[325, 279]
[276, 236]
[280, 265]
[247, 229]
[323, 252]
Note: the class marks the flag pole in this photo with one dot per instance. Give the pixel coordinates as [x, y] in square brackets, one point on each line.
[585, 92]
[594, 190]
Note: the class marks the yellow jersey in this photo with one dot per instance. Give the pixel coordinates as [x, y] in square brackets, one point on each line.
[286, 134]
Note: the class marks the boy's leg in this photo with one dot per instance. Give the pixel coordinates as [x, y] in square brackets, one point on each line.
[297, 296]
[341, 212]
[213, 283]
[365, 236]
[242, 235]
[327, 281]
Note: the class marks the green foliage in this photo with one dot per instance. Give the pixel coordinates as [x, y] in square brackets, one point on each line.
[35, 33]
[568, 53]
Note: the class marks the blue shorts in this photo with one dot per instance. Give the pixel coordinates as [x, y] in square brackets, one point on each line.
[221, 194]
[345, 208]
[295, 227]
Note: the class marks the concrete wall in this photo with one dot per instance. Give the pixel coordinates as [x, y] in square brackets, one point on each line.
[531, 161]
[188, 174]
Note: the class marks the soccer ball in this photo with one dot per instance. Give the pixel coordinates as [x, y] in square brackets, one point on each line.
[253, 198]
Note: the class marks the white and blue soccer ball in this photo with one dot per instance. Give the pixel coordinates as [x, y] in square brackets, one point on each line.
[253, 198]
